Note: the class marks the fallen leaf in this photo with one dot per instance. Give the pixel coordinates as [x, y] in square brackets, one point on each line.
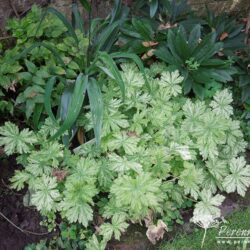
[149, 43]
[149, 219]
[165, 26]
[155, 233]
[59, 174]
[147, 55]
[223, 36]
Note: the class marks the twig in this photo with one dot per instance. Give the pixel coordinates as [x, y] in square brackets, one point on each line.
[20, 229]
[5, 37]
[10, 189]
[14, 8]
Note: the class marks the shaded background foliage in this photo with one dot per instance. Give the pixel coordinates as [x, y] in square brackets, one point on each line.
[18, 8]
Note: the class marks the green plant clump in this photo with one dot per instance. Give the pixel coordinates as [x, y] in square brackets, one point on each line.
[158, 151]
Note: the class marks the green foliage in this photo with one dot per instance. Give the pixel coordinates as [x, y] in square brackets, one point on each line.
[15, 141]
[158, 152]
[194, 57]
[156, 160]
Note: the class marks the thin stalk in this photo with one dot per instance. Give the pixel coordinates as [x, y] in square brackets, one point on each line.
[203, 239]
[89, 35]
[20, 229]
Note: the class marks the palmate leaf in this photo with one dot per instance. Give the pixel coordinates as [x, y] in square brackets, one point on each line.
[77, 200]
[222, 103]
[122, 165]
[239, 179]
[116, 228]
[136, 60]
[15, 141]
[124, 141]
[209, 204]
[139, 194]
[94, 244]
[171, 81]
[191, 179]
[46, 194]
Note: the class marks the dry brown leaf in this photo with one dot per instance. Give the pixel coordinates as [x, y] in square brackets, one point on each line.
[147, 55]
[149, 219]
[148, 44]
[59, 174]
[155, 233]
[80, 135]
[165, 26]
[223, 36]
[132, 133]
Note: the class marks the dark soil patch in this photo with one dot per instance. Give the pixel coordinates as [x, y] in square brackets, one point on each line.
[11, 206]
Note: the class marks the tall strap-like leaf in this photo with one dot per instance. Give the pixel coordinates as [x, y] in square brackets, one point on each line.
[47, 97]
[105, 36]
[75, 105]
[137, 61]
[96, 107]
[153, 6]
[86, 5]
[111, 65]
[77, 19]
[194, 37]
[64, 20]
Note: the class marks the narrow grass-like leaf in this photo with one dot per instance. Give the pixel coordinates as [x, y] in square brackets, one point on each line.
[153, 6]
[86, 5]
[96, 107]
[47, 97]
[64, 20]
[37, 114]
[103, 37]
[75, 105]
[109, 62]
[77, 19]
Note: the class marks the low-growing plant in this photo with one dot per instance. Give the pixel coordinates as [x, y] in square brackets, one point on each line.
[195, 57]
[158, 150]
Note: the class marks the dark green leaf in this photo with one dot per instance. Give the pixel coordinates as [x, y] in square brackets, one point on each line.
[153, 5]
[75, 105]
[96, 107]
[47, 97]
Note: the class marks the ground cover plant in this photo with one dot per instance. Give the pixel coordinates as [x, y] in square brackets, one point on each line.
[105, 143]
[150, 159]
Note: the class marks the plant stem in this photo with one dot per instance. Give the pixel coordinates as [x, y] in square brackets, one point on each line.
[89, 38]
[20, 229]
[203, 239]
